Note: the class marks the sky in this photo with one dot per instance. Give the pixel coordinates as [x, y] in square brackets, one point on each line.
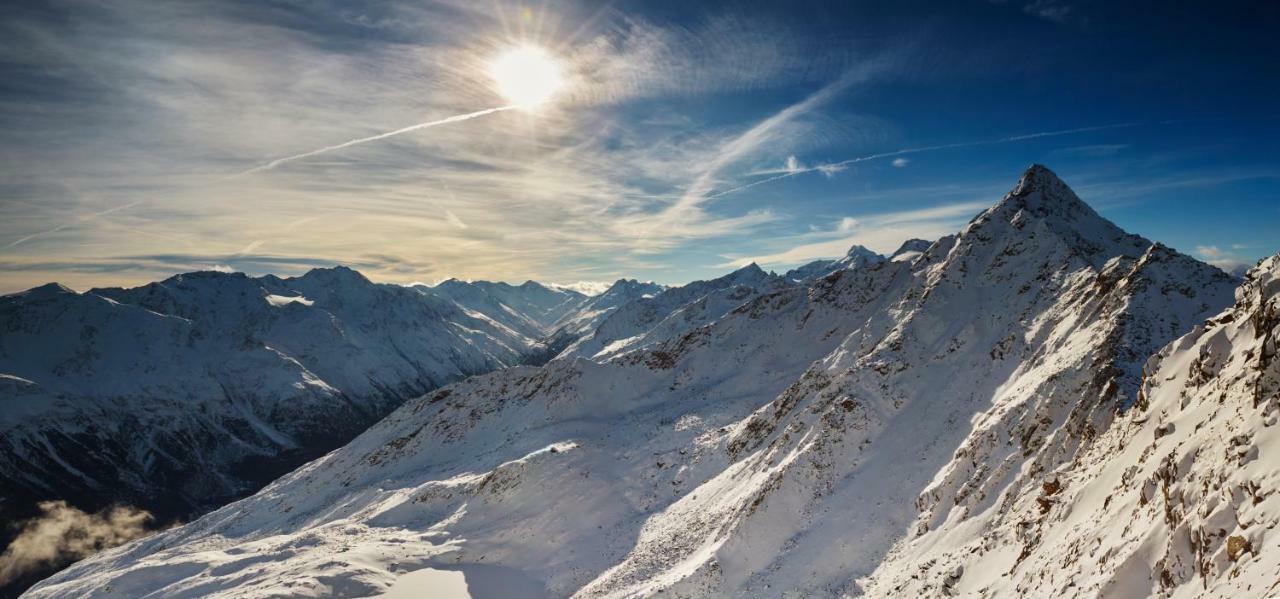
[141, 139]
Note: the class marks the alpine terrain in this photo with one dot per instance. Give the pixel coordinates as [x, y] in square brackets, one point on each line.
[1040, 404]
[181, 396]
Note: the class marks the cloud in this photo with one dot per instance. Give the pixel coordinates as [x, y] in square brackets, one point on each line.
[62, 534]
[77, 221]
[901, 162]
[1051, 10]
[1091, 151]
[1224, 259]
[453, 219]
[590, 288]
[830, 170]
[1130, 188]
[583, 190]
[882, 232]
[1211, 252]
[917, 150]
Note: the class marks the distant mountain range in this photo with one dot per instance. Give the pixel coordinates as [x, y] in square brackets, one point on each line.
[1040, 404]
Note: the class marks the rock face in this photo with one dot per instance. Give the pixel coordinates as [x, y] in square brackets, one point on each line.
[983, 419]
[1175, 499]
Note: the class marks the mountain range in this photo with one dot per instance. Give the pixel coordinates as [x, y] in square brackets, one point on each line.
[1041, 403]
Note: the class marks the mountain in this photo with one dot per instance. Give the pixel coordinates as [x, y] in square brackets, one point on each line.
[645, 321]
[910, 250]
[857, 256]
[180, 396]
[530, 309]
[1175, 498]
[984, 419]
[589, 314]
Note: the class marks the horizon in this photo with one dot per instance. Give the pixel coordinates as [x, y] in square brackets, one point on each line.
[666, 142]
[593, 288]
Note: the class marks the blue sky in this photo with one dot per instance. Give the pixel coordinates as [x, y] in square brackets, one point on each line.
[126, 129]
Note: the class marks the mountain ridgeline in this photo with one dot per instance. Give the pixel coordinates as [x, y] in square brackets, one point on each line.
[183, 395]
[1038, 404]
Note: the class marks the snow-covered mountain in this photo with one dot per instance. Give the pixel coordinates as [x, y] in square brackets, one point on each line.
[588, 315]
[1175, 497]
[856, 257]
[910, 250]
[530, 309]
[180, 396]
[982, 419]
[648, 320]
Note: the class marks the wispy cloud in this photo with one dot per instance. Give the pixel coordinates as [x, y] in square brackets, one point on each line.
[882, 232]
[1224, 259]
[827, 167]
[1053, 10]
[168, 116]
[80, 220]
[1091, 151]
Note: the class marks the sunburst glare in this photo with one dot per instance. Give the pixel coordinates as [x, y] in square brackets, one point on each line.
[526, 76]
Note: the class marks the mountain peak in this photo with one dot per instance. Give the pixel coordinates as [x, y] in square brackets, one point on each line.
[1042, 201]
[910, 250]
[1042, 192]
[861, 251]
[751, 271]
[1039, 176]
[46, 291]
[334, 274]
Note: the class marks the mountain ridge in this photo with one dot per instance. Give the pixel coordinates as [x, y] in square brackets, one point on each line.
[749, 434]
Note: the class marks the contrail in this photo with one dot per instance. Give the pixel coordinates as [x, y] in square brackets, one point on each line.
[963, 144]
[83, 219]
[346, 144]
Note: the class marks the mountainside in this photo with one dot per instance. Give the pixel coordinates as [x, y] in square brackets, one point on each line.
[1175, 499]
[981, 418]
[589, 314]
[530, 309]
[179, 396]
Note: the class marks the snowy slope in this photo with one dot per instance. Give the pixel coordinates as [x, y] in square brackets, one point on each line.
[1175, 499]
[182, 395]
[1033, 320]
[910, 250]
[495, 451]
[530, 309]
[588, 315]
[881, 430]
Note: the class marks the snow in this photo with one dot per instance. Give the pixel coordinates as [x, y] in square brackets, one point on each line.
[1041, 404]
[429, 583]
[184, 394]
[283, 300]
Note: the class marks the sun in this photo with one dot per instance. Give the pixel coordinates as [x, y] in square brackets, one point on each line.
[526, 76]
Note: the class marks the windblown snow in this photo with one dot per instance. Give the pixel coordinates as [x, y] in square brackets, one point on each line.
[1041, 404]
